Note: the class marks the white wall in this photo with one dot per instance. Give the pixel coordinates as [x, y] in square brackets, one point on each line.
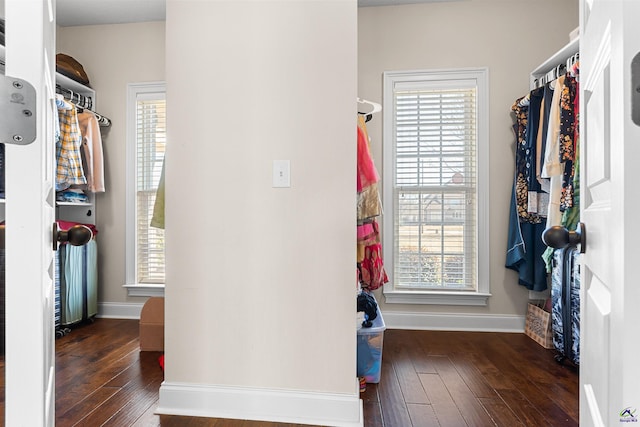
[260, 292]
[511, 38]
[113, 56]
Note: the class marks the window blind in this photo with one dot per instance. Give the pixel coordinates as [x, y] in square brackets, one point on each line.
[434, 191]
[150, 149]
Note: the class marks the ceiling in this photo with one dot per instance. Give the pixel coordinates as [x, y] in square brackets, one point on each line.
[366, 3]
[95, 12]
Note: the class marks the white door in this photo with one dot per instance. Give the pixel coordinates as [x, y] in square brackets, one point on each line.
[29, 214]
[610, 200]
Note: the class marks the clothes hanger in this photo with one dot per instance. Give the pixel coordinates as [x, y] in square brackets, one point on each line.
[62, 103]
[572, 62]
[376, 107]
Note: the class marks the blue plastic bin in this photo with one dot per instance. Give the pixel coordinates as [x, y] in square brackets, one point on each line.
[370, 350]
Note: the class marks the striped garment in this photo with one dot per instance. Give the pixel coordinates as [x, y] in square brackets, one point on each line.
[68, 158]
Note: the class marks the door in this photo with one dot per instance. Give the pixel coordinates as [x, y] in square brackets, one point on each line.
[610, 156]
[29, 215]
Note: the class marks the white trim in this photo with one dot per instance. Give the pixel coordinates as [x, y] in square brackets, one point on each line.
[133, 90]
[435, 297]
[145, 290]
[480, 77]
[296, 407]
[543, 295]
[119, 310]
[483, 183]
[454, 322]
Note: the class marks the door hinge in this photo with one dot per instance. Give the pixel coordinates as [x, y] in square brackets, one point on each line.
[17, 111]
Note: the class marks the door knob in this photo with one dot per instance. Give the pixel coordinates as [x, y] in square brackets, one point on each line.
[77, 235]
[559, 237]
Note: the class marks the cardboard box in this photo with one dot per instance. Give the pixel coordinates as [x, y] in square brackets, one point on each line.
[152, 325]
[538, 326]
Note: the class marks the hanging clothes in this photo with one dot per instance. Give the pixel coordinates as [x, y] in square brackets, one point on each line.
[525, 245]
[568, 136]
[571, 215]
[157, 219]
[69, 169]
[524, 251]
[371, 273]
[367, 173]
[571, 183]
[368, 204]
[367, 235]
[520, 109]
[553, 167]
[78, 282]
[93, 163]
[546, 130]
[543, 130]
[566, 193]
[538, 199]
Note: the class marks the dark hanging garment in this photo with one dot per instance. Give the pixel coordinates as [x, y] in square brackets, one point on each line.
[531, 135]
[538, 199]
[565, 299]
[525, 245]
[568, 123]
[524, 251]
[521, 112]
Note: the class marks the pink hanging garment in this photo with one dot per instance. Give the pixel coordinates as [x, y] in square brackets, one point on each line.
[371, 269]
[367, 173]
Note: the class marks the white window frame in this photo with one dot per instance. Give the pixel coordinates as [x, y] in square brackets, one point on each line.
[480, 296]
[134, 288]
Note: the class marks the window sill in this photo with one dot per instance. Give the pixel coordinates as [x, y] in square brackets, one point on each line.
[440, 298]
[145, 290]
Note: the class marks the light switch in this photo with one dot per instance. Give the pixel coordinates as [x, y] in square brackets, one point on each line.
[281, 174]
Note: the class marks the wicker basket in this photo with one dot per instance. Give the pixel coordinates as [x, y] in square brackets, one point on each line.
[538, 326]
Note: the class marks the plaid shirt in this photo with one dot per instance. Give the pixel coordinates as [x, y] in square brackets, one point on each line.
[68, 158]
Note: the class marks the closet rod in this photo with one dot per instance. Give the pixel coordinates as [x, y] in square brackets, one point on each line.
[552, 63]
[82, 103]
[556, 72]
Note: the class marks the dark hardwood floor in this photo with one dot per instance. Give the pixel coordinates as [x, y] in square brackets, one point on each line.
[428, 378]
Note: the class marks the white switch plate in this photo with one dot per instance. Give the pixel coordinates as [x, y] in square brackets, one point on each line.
[281, 174]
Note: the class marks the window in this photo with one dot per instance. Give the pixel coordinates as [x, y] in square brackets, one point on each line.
[146, 141]
[435, 187]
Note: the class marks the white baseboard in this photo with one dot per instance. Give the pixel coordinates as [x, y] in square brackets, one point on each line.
[453, 321]
[296, 407]
[119, 310]
[392, 319]
[540, 295]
